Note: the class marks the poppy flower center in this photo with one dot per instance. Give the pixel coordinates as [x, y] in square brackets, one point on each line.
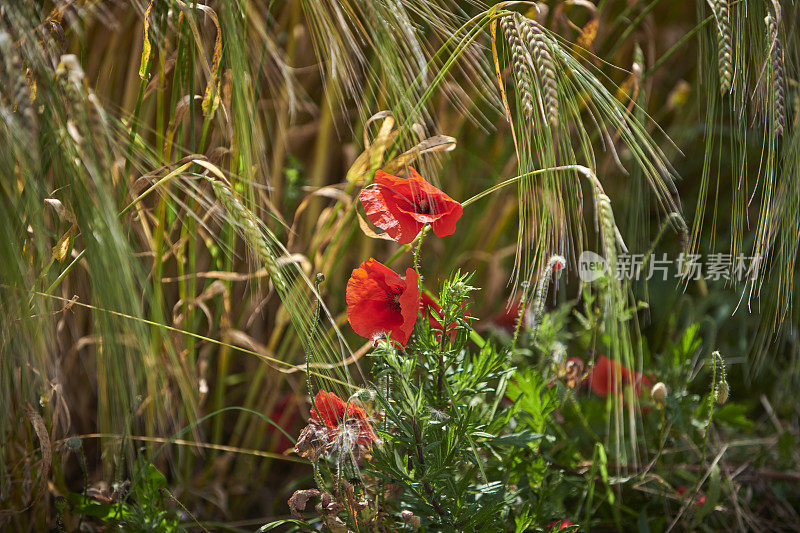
[393, 298]
[422, 205]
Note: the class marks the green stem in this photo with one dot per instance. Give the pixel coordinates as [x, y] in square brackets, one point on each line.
[520, 318]
[711, 403]
[587, 172]
[419, 238]
[134, 125]
[661, 60]
[672, 217]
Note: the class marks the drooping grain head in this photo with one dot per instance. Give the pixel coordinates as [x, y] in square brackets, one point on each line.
[534, 35]
[778, 77]
[520, 64]
[724, 44]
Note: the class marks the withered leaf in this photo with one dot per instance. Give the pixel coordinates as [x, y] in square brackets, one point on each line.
[299, 500]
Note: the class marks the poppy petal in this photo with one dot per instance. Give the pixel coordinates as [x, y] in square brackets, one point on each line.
[409, 302]
[329, 407]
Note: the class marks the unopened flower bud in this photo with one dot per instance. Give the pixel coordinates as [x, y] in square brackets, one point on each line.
[722, 392]
[659, 392]
[364, 395]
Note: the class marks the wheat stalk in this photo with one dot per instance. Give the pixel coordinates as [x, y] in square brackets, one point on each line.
[533, 33]
[519, 64]
[724, 43]
[778, 79]
[247, 225]
[607, 230]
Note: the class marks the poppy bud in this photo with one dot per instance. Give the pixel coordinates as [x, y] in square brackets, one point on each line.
[721, 393]
[659, 392]
[364, 395]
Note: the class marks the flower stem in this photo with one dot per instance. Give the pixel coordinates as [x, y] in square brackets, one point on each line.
[587, 173]
[521, 316]
[320, 277]
[419, 238]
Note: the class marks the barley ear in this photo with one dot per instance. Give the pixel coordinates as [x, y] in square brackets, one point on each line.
[247, 225]
[533, 32]
[724, 44]
[519, 64]
[607, 230]
[778, 78]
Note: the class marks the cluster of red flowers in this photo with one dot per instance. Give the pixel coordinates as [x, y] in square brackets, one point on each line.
[379, 302]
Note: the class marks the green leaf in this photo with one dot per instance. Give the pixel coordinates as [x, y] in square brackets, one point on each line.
[273, 525]
[107, 512]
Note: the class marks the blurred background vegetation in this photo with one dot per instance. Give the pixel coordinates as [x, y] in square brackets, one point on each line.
[135, 314]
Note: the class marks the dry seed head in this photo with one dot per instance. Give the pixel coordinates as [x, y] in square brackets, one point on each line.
[724, 43]
[519, 63]
[778, 78]
[533, 33]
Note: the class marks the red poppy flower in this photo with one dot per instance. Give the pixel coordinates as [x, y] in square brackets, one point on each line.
[559, 524]
[401, 207]
[699, 500]
[605, 372]
[329, 409]
[380, 302]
